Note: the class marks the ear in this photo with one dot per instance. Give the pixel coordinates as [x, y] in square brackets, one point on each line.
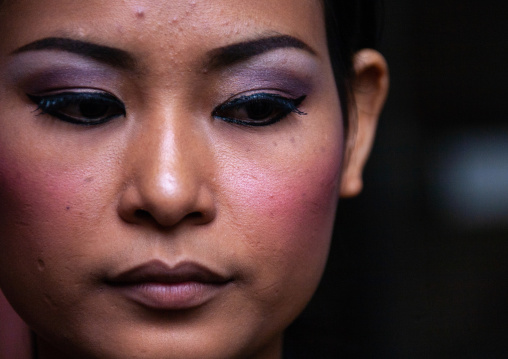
[370, 88]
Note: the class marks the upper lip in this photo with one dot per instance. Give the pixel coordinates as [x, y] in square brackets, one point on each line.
[159, 272]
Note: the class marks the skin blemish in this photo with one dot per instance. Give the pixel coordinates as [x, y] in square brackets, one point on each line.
[292, 140]
[140, 13]
[68, 208]
[89, 179]
[41, 265]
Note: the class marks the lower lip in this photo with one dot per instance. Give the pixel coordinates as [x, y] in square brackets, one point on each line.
[171, 296]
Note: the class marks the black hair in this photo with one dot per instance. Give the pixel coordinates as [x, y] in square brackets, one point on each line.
[351, 25]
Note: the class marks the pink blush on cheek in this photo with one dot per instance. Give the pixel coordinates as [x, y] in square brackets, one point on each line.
[295, 209]
[40, 198]
[283, 221]
[27, 187]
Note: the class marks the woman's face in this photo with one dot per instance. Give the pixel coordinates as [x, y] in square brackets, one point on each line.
[169, 173]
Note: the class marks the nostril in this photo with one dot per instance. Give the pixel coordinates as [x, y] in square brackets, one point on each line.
[198, 217]
[195, 215]
[142, 214]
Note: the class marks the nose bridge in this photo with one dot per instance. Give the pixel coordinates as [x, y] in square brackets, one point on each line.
[159, 162]
[166, 156]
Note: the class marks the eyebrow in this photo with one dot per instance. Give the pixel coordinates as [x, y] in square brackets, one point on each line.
[105, 54]
[220, 57]
[242, 51]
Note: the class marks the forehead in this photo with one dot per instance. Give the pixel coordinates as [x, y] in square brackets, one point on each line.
[183, 25]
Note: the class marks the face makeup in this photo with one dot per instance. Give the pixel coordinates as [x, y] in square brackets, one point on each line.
[164, 179]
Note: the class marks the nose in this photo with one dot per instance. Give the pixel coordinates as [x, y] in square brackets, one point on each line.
[169, 173]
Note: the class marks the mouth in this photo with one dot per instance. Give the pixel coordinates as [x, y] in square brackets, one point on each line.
[157, 286]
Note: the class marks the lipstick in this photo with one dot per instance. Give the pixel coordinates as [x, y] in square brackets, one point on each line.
[158, 286]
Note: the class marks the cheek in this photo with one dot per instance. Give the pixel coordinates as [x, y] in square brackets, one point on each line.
[44, 215]
[283, 211]
[39, 195]
[286, 209]
[50, 214]
[294, 205]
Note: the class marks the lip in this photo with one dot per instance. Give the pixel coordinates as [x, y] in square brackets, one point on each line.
[156, 285]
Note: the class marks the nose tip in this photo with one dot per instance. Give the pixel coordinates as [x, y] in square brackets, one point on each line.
[167, 206]
[167, 177]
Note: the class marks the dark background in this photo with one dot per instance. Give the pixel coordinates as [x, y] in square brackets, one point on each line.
[419, 262]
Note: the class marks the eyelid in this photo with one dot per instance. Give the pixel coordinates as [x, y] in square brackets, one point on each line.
[264, 96]
[287, 105]
[54, 102]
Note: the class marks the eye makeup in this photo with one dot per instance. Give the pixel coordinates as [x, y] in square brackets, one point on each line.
[43, 71]
[266, 90]
[293, 75]
[258, 92]
[68, 88]
[259, 109]
[81, 108]
[58, 78]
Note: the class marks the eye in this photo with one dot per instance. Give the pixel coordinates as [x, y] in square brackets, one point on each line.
[260, 109]
[82, 108]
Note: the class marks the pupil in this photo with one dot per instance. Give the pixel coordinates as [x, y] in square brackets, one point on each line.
[259, 110]
[93, 110]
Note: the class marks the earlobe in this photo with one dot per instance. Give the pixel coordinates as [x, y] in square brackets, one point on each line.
[370, 89]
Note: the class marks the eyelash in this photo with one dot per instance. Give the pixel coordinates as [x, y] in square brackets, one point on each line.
[278, 107]
[107, 107]
[270, 108]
